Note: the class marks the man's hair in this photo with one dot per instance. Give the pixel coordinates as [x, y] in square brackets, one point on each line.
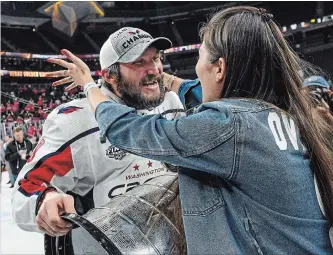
[113, 70]
[270, 73]
[17, 129]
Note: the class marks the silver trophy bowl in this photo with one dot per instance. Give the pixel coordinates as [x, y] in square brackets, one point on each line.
[145, 220]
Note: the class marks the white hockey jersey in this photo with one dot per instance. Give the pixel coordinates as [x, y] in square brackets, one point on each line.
[70, 157]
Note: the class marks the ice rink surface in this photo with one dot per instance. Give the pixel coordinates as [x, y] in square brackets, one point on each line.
[13, 240]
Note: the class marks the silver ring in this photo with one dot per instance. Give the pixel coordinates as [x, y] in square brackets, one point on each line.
[65, 71]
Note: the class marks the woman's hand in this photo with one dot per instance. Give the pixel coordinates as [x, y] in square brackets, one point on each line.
[78, 73]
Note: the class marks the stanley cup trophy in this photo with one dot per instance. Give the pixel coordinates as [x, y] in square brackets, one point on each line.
[145, 220]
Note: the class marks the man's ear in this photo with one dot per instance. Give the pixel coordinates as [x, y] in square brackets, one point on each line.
[220, 70]
[107, 77]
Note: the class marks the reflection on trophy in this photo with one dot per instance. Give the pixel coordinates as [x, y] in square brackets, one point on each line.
[145, 220]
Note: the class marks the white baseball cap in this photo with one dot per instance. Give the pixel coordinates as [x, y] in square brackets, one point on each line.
[128, 44]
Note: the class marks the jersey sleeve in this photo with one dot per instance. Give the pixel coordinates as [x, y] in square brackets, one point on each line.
[50, 165]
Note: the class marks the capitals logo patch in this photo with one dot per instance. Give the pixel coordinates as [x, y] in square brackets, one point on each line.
[69, 109]
[133, 33]
[114, 152]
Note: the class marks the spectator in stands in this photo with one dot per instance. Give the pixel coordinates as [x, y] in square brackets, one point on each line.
[27, 118]
[40, 101]
[35, 119]
[33, 141]
[7, 140]
[57, 102]
[39, 131]
[3, 108]
[27, 108]
[31, 131]
[16, 102]
[35, 91]
[10, 117]
[19, 119]
[9, 107]
[63, 98]
[257, 172]
[51, 105]
[18, 152]
[21, 90]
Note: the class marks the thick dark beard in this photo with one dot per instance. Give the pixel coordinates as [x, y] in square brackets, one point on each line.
[132, 96]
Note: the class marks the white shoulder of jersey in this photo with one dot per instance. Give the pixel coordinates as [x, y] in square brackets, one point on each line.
[71, 119]
[172, 101]
[171, 108]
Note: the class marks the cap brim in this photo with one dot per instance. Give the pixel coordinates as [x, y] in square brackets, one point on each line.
[316, 84]
[160, 43]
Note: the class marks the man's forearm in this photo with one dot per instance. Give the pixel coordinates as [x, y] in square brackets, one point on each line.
[12, 157]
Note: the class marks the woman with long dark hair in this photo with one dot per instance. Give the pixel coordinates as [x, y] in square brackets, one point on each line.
[256, 171]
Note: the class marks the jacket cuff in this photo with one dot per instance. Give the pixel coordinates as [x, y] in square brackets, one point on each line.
[190, 93]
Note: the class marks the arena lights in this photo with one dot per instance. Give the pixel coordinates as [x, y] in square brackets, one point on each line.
[307, 24]
[34, 74]
[327, 18]
[183, 48]
[304, 24]
[168, 51]
[91, 56]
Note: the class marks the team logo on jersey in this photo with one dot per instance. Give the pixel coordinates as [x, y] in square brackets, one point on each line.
[133, 33]
[69, 109]
[114, 152]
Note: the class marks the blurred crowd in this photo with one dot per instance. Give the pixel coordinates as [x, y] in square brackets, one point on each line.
[28, 107]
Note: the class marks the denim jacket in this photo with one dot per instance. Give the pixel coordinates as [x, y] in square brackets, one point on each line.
[246, 186]
[190, 93]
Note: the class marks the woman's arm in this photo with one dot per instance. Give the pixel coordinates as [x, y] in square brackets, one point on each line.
[188, 142]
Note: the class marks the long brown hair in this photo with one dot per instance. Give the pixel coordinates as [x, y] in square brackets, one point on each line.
[261, 65]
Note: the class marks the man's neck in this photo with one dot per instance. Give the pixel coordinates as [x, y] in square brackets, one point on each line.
[110, 94]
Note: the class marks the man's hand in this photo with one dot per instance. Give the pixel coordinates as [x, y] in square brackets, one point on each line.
[24, 156]
[48, 218]
[21, 152]
[78, 73]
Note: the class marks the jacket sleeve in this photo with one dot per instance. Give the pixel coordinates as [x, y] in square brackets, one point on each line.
[185, 142]
[11, 155]
[190, 93]
[50, 165]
